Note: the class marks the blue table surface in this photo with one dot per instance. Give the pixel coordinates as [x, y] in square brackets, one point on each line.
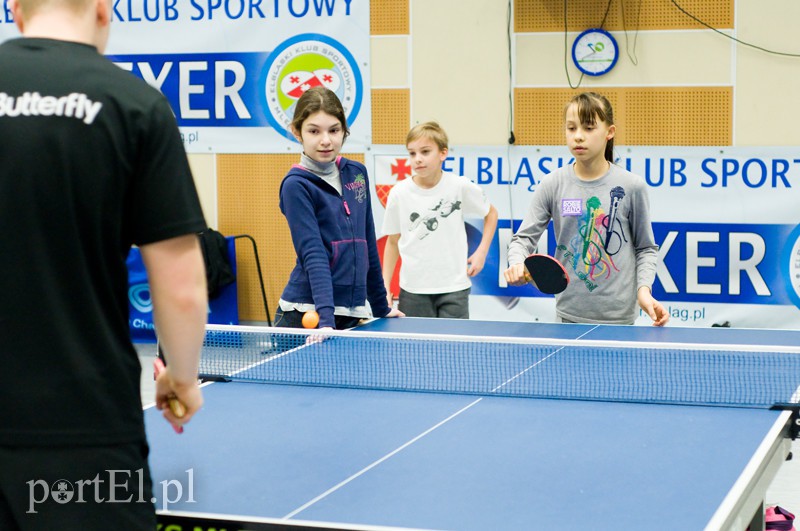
[670, 334]
[427, 460]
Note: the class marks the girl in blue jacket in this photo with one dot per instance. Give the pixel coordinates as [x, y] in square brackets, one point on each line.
[326, 201]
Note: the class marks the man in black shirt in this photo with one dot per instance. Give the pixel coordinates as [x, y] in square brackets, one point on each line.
[91, 162]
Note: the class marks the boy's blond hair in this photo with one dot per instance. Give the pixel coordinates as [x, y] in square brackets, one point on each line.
[431, 130]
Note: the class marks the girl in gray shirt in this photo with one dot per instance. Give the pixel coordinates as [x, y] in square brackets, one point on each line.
[601, 219]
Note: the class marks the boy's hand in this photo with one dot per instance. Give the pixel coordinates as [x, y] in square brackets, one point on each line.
[475, 263]
[652, 307]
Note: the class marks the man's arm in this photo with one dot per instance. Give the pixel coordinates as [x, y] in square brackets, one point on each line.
[176, 274]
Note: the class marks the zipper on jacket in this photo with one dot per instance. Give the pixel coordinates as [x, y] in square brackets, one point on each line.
[355, 252]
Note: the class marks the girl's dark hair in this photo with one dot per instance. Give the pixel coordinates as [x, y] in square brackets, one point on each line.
[318, 99]
[593, 107]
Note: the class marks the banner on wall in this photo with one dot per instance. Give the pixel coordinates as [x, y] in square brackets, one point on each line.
[222, 309]
[726, 221]
[233, 69]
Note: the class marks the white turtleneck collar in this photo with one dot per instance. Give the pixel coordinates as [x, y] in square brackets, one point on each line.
[327, 171]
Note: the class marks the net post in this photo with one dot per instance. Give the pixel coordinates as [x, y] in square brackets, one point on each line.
[794, 422]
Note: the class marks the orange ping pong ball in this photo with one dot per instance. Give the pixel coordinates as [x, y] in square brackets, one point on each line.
[310, 319]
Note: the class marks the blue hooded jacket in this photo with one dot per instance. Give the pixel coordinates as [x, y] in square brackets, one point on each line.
[334, 238]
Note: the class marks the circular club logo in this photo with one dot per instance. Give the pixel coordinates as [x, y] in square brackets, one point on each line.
[792, 261]
[303, 62]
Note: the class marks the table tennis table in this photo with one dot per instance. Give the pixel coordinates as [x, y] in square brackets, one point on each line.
[266, 456]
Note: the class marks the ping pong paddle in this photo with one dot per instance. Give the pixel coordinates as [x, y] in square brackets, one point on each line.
[175, 405]
[546, 273]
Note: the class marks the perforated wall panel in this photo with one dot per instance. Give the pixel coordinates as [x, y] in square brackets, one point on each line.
[388, 17]
[645, 116]
[548, 15]
[391, 115]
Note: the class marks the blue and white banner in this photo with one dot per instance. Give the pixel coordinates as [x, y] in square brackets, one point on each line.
[223, 309]
[233, 69]
[726, 220]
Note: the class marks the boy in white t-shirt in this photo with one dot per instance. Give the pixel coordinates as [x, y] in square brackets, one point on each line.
[424, 224]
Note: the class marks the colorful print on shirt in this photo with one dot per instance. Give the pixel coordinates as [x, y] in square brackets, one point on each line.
[358, 187]
[600, 236]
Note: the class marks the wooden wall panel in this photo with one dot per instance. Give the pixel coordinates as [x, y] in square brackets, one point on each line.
[248, 204]
[548, 15]
[388, 17]
[539, 115]
[391, 115]
[645, 116]
[679, 116]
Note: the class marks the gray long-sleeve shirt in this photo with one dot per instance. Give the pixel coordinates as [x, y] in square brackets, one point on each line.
[604, 239]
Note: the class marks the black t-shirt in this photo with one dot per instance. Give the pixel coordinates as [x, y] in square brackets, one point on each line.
[91, 161]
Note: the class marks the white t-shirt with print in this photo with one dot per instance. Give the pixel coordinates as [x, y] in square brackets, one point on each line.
[433, 239]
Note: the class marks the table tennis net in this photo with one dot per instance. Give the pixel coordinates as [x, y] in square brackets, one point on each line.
[737, 376]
